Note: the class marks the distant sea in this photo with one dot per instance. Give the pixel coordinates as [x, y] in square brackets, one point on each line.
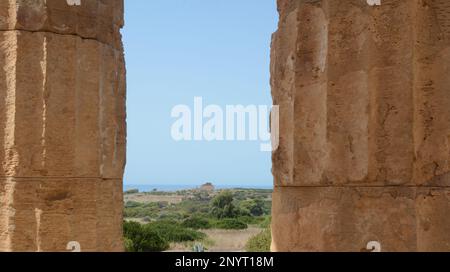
[174, 188]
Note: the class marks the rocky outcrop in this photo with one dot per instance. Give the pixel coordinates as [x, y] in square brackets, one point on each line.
[62, 124]
[364, 97]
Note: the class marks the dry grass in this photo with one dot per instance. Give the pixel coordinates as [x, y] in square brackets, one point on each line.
[222, 240]
[230, 240]
[148, 198]
[138, 220]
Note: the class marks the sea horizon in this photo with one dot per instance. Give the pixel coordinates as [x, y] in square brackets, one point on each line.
[180, 187]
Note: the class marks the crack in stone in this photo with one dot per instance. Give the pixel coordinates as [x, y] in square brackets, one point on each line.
[55, 177]
[63, 34]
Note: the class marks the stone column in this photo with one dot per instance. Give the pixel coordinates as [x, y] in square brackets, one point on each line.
[62, 124]
[364, 95]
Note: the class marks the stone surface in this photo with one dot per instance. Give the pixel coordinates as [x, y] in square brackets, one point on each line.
[364, 104]
[62, 125]
[99, 20]
[347, 218]
[433, 222]
[343, 219]
[43, 214]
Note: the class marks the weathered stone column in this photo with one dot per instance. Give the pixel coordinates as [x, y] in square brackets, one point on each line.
[62, 124]
[364, 95]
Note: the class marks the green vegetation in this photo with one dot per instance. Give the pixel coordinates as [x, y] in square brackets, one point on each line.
[222, 206]
[157, 236]
[260, 242]
[182, 217]
[131, 191]
[140, 238]
[172, 231]
[266, 222]
[230, 223]
[197, 222]
[140, 210]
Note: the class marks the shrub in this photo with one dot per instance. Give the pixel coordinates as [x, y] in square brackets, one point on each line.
[193, 206]
[266, 222]
[169, 216]
[150, 241]
[196, 222]
[260, 242]
[162, 204]
[129, 245]
[229, 223]
[141, 239]
[139, 212]
[131, 191]
[131, 229]
[251, 220]
[132, 204]
[173, 232]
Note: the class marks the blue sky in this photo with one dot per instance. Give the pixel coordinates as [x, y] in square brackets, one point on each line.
[176, 50]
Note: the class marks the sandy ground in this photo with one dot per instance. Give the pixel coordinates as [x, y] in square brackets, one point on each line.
[223, 240]
[147, 198]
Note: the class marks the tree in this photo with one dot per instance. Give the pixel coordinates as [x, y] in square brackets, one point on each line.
[254, 207]
[222, 205]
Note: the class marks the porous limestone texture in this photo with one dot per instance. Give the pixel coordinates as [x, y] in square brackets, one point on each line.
[364, 96]
[62, 125]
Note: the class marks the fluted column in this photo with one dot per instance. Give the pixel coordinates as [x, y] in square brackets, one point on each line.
[62, 124]
[364, 97]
